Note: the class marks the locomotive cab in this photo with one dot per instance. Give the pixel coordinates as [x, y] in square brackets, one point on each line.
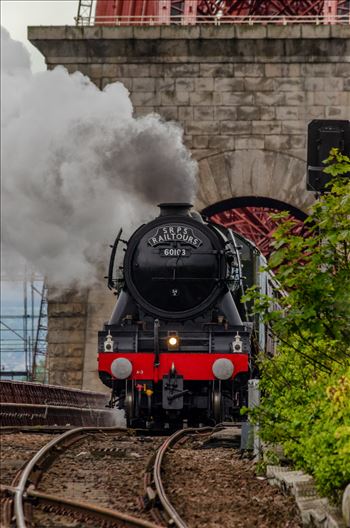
[175, 347]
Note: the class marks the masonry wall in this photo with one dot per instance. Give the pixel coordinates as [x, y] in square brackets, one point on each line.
[244, 96]
[67, 315]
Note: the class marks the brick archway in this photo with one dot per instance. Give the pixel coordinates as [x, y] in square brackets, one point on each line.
[252, 172]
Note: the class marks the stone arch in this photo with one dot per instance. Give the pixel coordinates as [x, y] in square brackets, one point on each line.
[264, 173]
[256, 202]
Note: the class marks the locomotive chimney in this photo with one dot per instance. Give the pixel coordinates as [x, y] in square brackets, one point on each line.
[175, 209]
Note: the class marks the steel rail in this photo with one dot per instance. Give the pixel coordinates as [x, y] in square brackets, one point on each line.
[88, 508]
[37, 463]
[8, 492]
[157, 478]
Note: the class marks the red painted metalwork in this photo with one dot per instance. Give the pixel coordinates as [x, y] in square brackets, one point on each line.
[140, 12]
[195, 366]
[144, 11]
[274, 7]
[104, 9]
[261, 7]
[190, 11]
[256, 224]
[333, 8]
[135, 11]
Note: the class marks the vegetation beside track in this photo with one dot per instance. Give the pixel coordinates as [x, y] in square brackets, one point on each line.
[306, 386]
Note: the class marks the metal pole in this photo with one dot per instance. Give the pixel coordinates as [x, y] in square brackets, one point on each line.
[25, 321]
[33, 320]
[254, 401]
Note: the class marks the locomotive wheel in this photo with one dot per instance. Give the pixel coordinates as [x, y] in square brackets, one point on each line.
[217, 403]
[129, 403]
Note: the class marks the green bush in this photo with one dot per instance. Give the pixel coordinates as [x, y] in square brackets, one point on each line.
[306, 387]
[308, 413]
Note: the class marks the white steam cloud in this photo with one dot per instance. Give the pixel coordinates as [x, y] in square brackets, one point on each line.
[76, 165]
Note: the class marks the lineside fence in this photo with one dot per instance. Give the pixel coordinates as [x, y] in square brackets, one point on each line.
[35, 404]
[37, 393]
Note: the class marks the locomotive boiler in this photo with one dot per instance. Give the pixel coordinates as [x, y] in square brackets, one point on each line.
[177, 347]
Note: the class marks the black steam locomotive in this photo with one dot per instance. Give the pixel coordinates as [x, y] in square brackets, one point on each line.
[178, 345]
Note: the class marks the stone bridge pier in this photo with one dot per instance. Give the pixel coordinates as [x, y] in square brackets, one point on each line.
[244, 96]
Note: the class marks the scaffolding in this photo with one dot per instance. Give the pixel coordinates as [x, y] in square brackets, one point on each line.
[84, 11]
[23, 321]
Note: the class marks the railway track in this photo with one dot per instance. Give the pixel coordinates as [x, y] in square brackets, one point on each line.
[155, 494]
[93, 476]
[16, 449]
[23, 497]
[212, 484]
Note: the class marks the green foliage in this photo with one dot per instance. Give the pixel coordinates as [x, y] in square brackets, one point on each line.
[308, 412]
[306, 386]
[337, 163]
[40, 371]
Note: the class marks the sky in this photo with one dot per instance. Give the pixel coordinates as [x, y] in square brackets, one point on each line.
[17, 15]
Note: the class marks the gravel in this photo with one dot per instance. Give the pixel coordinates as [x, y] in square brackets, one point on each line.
[210, 488]
[102, 469]
[17, 449]
[215, 488]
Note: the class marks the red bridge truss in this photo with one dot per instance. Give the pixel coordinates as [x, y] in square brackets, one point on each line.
[253, 218]
[190, 12]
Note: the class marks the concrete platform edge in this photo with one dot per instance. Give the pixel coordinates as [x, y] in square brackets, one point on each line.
[314, 511]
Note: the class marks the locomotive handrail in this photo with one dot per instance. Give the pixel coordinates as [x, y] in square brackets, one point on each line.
[156, 342]
[111, 283]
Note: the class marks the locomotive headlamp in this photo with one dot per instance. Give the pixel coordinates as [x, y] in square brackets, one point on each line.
[121, 368]
[237, 345]
[173, 341]
[108, 344]
[223, 369]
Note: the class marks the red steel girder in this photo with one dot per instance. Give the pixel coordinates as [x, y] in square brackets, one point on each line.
[162, 11]
[261, 7]
[140, 12]
[272, 7]
[257, 225]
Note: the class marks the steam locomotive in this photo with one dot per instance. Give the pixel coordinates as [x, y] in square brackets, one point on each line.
[178, 345]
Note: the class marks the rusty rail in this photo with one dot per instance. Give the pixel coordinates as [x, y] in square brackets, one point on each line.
[23, 487]
[154, 489]
[89, 509]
